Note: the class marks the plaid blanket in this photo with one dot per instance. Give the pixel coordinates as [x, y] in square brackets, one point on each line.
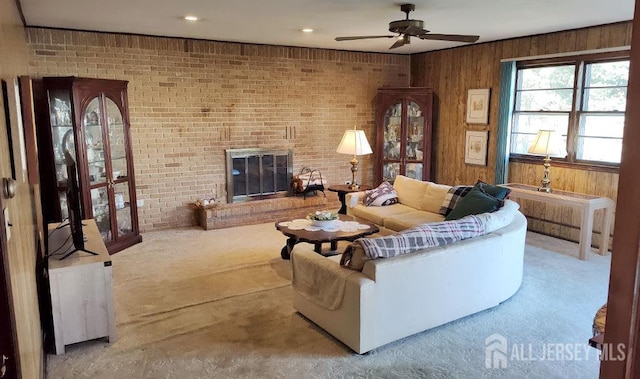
[453, 197]
[423, 236]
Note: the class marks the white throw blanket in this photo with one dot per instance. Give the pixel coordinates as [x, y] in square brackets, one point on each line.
[321, 281]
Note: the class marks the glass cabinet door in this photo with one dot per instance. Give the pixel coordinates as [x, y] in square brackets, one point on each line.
[391, 154]
[101, 212]
[96, 161]
[94, 143]
[119, 179]
[108, 177]
[414, 141]
[61, 121]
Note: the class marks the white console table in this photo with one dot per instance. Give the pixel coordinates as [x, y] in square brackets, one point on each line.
[81, 288]
[588, 204]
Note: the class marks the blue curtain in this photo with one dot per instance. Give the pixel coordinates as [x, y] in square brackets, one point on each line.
[507, 89]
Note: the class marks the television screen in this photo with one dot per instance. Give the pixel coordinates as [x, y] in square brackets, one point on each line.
[74, 206]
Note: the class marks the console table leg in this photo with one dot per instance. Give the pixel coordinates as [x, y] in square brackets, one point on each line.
[586, 230]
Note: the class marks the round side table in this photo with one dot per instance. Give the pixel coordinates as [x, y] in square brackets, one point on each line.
[343, 190]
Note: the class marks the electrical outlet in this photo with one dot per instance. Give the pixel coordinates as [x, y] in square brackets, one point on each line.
[140, 203]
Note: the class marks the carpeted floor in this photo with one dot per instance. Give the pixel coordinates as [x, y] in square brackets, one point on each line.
[217, 304]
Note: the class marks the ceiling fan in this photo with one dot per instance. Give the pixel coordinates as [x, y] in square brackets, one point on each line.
[408, 28]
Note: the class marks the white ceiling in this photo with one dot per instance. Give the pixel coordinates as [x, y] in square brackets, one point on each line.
[278, 22]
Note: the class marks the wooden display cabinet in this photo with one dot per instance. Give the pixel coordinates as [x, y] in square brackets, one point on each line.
[403, 137]
[89, 119]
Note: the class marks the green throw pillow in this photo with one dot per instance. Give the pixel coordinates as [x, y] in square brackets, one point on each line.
[498, 192]
[475, 202]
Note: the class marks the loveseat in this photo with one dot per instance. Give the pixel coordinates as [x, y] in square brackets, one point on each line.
[392, 298]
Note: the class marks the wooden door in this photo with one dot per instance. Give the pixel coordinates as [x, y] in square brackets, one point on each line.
[8, 364]
[7, 331]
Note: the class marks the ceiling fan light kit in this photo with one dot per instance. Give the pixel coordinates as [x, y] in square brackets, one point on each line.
[408, 28]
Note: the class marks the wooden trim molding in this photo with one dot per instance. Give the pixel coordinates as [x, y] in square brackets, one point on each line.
[563, 163]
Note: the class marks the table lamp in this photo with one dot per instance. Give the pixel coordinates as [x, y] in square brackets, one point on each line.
[354, 142]
[547, 143]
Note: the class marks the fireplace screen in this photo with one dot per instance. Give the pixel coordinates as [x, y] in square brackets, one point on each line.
[258, 173]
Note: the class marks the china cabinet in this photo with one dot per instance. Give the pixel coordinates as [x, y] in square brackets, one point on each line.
[89, 119]
[403, 137]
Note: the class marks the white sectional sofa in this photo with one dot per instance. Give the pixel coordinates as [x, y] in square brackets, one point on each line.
[392, 298]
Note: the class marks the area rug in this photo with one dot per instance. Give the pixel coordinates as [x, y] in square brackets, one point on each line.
[218, 304]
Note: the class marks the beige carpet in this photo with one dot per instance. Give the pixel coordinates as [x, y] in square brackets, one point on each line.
[217, 304]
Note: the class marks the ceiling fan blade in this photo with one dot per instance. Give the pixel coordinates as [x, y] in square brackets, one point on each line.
[360, 37]
[401, 42]
[449, 37]
[414, 31]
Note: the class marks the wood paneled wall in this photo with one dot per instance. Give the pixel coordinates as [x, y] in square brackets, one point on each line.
[454, 71]
[21, 254]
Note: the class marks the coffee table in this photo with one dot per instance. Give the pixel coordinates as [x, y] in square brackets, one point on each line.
[322, 236]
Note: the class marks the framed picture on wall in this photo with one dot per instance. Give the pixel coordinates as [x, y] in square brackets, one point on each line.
[476, 147]
[478, 106]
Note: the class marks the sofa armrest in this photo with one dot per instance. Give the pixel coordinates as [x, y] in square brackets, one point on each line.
[305, 261]
[354, 198]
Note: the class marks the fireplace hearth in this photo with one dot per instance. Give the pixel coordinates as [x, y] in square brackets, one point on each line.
[256, 174]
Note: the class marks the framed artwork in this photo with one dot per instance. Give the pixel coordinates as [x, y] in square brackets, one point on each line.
[476, 147]
[478, 106]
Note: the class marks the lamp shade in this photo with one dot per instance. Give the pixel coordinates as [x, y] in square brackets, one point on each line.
[548, 142]
[354, 142]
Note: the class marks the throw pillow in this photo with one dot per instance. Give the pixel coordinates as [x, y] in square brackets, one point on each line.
[383, 195]
[498, 192]
[452, 198]
[475, 202]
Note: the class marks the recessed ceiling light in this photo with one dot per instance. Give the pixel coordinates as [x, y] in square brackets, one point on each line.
[307, 30]
[191, 18]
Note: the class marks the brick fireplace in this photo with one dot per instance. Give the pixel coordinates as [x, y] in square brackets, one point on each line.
[258, 174]
[265, 175]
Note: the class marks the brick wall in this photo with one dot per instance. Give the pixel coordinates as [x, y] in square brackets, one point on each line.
[189, 100]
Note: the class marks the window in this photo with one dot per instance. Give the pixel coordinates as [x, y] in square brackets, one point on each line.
[583, 99]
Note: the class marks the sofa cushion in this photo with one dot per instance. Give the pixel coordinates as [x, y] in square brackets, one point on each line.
[452, 198]
[498, 192]
[434, 196]
[384, 194]
[410, 191]
[411, 219]
[378, 214]
[475, 202]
